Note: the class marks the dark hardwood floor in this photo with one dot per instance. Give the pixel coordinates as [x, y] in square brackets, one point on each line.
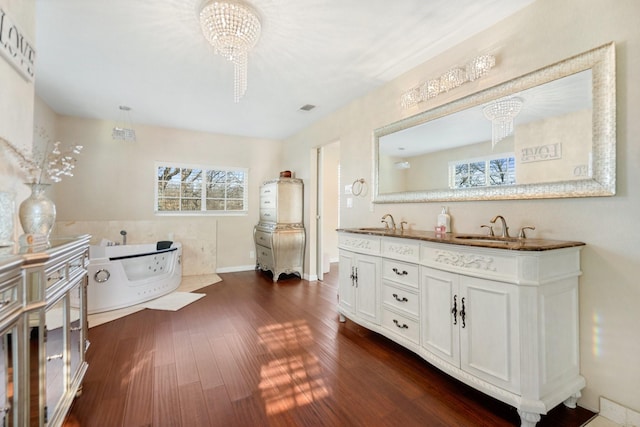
[254, 353]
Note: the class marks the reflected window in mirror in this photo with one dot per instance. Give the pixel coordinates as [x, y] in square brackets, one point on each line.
[490, 171]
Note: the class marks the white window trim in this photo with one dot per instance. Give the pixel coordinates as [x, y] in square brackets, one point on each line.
[204, 167]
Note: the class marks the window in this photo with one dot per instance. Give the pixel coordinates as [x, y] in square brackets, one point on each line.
[200, 189]
[483, 172]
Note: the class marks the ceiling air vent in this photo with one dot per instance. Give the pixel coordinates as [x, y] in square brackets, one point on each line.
[307, 107]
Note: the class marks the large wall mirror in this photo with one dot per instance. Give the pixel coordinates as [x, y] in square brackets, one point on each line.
[548, 134]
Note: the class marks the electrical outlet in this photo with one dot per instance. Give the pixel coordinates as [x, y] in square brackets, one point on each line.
[252, 254]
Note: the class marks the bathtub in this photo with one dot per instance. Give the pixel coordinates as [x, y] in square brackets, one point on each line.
[122, 276]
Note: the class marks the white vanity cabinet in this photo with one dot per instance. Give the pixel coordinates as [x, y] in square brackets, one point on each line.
[502, 318]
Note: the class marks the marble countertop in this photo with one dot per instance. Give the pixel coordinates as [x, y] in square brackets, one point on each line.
[476, 240]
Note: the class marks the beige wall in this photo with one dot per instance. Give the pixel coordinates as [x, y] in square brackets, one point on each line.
[112, 189]
[16, 111]
[544, 33]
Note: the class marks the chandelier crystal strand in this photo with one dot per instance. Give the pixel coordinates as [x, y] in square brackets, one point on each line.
[233, 29]
[501, 113]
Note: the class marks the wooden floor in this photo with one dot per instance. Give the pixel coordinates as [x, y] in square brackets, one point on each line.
[254, 353]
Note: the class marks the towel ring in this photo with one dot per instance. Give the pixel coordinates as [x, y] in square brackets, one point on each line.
[356, 189]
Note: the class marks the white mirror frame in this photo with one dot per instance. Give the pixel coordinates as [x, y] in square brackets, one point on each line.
[602, 182]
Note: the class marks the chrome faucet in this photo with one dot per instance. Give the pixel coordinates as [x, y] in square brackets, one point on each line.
[386, 224]
[505, 229]
[123, 233]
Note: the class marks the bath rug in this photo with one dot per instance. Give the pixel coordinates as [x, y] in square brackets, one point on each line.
[188, 284]
[173, 301]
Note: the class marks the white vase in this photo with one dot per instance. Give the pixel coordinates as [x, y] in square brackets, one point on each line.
[37, 212]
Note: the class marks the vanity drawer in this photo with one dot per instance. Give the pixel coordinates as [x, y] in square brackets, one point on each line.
[401, 299]
[401, 272]
[401, 325]
[403, 249]
[359, 243]
[263, 238]
[10, 294]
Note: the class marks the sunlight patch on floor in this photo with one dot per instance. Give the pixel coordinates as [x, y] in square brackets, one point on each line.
[295, 379]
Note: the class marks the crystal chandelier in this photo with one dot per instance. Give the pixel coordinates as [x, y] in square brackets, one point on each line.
[233, 29]
[501, 114]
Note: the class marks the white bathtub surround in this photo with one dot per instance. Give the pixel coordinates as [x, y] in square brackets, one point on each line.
[193, 283]
[613, 414]
[600, 421]
[198, 236]
[189, 284]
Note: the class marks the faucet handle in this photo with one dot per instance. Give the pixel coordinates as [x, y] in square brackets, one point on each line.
[402, 224]
[522, 234]
[490, 229]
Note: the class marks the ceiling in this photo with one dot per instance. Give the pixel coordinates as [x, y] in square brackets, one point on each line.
[93, 56]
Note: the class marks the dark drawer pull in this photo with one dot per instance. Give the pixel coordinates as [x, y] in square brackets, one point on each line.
[403, 326]
[403, 299]
[400, 273]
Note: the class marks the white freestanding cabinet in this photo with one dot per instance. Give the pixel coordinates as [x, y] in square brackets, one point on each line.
[280, 236]
[504, 321]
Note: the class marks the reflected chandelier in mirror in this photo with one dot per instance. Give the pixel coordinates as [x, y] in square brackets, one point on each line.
[548, 134]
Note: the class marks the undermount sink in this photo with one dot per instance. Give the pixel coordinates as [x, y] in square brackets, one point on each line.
[486, 239]
[375, 229]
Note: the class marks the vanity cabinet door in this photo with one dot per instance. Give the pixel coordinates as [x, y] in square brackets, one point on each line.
[368, 269]
[440, 319]
[359, 285]
[489, 332]
[346, 285]
[472, 324]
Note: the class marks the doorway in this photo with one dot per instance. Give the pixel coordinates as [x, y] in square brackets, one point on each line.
[328, 206]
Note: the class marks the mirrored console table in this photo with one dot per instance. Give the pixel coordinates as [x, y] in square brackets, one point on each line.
[43, 322]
